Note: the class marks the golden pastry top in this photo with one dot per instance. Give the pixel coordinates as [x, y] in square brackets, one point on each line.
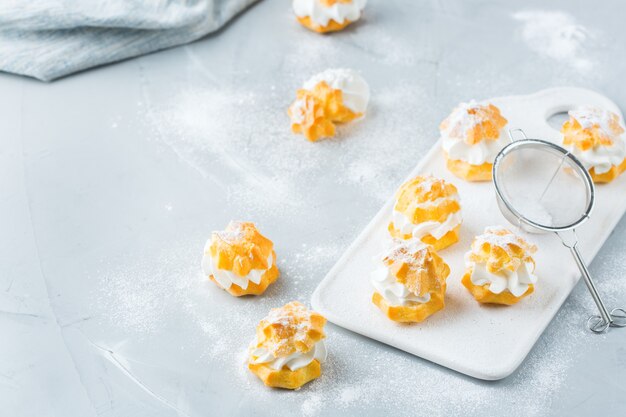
[589, 127]
[289, 329]
[240, 248]
[329, 3]
[501, 249]
[328, 99]
[417, 266]
[473, 122]
[315, 111]
[425, 188]
[308, 116]
[414, 196]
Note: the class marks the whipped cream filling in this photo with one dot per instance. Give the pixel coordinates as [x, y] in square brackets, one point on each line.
[516, 282]
[355, 90]
[394, 292]
[601, 157]
[294, 361]
[227, 278]
[321, 15]
[435, 229]
[476, 154]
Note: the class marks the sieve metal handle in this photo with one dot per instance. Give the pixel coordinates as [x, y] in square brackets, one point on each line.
[597, 323]
[512, 133]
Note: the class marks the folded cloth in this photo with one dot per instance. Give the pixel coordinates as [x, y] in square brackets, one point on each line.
[48, 39]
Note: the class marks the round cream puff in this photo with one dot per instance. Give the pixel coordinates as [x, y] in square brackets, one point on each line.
[240, 259]
[289, 348]
[471, 137]
[329, 98]
[410, 283]
[500, 267]
[324, 16]
[427, 209]
[596, 137]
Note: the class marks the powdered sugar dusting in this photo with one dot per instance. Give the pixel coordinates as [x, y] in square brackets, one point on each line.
[393, 380]
[312, 405]
[462, 120]
[556, 35]
[240, 129]
[295, 322]
[497, 236]
[385, 48]
[233, 233]
[607, 121]
[412, 252]
[133, 295]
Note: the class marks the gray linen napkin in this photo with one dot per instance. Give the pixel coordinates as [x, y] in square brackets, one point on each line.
[48, 39]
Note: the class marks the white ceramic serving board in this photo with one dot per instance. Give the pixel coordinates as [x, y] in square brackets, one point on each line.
[486, 342]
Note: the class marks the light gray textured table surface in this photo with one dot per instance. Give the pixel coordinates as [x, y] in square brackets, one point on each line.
[113, 179]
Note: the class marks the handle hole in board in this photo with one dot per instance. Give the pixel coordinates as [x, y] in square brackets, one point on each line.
[556, 120]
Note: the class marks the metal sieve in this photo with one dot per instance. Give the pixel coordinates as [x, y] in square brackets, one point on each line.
[540, 188]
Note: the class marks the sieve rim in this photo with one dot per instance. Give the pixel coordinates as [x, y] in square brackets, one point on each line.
[538, 143]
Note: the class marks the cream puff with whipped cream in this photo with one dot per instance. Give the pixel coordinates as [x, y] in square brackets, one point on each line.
[471, 137]
[328, 15]
[240, 260]
[427, 209]
[289, 348]
[500, 268]
[331, 97]
[596, 137]
[410, 282]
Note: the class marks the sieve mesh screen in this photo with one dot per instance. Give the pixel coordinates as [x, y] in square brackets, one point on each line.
[543, 185]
